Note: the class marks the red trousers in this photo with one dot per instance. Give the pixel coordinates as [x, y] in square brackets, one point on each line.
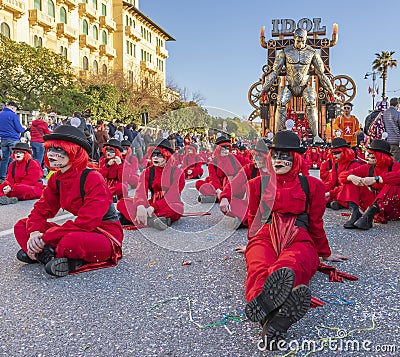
[89, 246]
[361, 196]
[24, 192]
[262, 260]
[196, 172]
[116, 188]
[239, 209]
[205, 188]
[128, 208]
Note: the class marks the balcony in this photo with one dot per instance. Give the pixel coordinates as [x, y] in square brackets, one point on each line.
[148, 66]
[108, 23]
[72, 4]
[64, 30]
[162, 52]
[89, 42]
[17, 7]
[37, 17]
[87, 10]
[108, 51]
[133, 33]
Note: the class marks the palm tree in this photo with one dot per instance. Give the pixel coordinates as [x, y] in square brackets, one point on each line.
[382, 62]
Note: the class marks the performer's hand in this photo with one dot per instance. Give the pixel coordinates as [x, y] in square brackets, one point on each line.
[189, 172]
[327, 194]
[141, 215]
[35, 243]
[110, 162]
[6, 189]
[368, 181]
[117, 160]
[218, 192]
[150, 211]
[356, 180]
[335, 258]
[224, 205]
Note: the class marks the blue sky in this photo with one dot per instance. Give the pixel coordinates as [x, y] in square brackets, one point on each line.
[217, 51]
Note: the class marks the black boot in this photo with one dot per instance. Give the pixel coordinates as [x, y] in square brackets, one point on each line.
[63, 266]
[124, 221]
[355, 215]
[23, 257]
[160, 223]
[366, 221]
[46, 254]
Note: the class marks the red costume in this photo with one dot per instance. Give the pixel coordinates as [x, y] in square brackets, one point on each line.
[333, 185]
[113, 175]
[220, 171]
[325, 169]
[24, 178]
[313, 156]
[95, 235]
[165, 189]
[191, 162]
[130, 169]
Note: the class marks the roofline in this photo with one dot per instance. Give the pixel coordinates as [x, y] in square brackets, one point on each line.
[141, 14]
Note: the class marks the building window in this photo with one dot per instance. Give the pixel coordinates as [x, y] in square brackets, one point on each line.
[95, 32]
[85, 63]
[51, 9]
[94, 2]
[103, 10]
[130, 76]
[37, 5]
[95, 67]
[104, 37]
[63, 15]
[37, 41]
[104, 70]
[64, 52]
[85, 27]
[126, 20]
[5, 30]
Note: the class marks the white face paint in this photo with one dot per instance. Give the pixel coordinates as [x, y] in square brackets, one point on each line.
[337, 154]
[110, 152]
[157, 158]
[18, 155]
[371, 158]
[57, 157]
[282, 161]
[225, 150]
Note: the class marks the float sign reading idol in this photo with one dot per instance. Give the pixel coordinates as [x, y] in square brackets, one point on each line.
[286, 27]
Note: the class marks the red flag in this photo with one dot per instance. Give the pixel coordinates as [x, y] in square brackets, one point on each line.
[377, 90]
[369, 90]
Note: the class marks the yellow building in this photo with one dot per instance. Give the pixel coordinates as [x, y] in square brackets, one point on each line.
[96, 36]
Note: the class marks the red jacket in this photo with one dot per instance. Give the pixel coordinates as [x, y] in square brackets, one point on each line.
[192, 162]
[27, 174]
[38, 129]
[220, 169]
[130, 169]
[164, 193]
[239, 184]
[290, 198]
[89, 212]
[111, 172]
[332, 184]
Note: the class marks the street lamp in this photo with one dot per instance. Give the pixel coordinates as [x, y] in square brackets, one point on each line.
[373, 74]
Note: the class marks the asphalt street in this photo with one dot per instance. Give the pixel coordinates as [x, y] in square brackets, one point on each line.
[153, 305]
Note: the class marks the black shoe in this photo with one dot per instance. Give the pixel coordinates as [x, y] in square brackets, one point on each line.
[276, 290]
[160, 223]
[335, 205]
[294, 308]
[46, 254]
[355, 215]
[63, 266]
[124, 221]
[4, 200]
[23, 257]
[207, 199]
[367, 220]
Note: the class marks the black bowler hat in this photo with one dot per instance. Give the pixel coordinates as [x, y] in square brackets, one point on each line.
[287, 141]
[163, 143]
[263, 146]
[22, 146]
[339, 143]
[125, 143]
[71, 134]
[114, 143]
[380, 146]
[222, 140]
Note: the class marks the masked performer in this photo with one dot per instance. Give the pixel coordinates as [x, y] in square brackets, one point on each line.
[286, 239]
[94, 239]
[130, 168]
[371, 188]
[165, 182]
[24, 177]
[111, 166]
[191, 163]
[223, 167]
